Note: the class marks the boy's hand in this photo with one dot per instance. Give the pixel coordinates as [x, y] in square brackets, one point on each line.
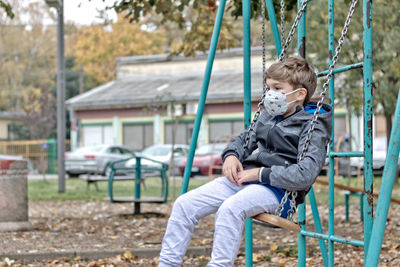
[231, 167]
[248, 176]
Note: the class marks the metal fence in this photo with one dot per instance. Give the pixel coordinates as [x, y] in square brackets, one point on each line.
[41, 154]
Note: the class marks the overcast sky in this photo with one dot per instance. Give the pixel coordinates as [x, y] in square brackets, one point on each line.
[83, 12]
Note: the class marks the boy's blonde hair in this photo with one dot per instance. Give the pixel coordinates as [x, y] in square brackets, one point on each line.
[297, 72]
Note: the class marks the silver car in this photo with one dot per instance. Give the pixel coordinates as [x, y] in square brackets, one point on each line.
[94, 159]
[162, 153]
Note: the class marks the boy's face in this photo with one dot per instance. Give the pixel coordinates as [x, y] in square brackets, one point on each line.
[286, 88]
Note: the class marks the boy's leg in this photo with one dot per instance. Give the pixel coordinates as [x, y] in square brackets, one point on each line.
[229, 221]
[187, 210]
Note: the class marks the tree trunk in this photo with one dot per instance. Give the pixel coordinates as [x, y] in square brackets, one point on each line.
[388, 119]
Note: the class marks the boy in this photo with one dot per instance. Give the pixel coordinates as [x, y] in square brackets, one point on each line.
[256, 176]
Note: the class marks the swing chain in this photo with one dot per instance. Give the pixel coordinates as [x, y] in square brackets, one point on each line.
[293, 207]
[263, 40]
[291, 32]
[282, 21]
[259, 106]
[329, 78]
[325, 87]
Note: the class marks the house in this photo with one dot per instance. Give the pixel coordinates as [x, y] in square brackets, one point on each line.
[153, 95]
[6, 120]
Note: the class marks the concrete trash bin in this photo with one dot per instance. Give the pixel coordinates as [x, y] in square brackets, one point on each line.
[13, 195]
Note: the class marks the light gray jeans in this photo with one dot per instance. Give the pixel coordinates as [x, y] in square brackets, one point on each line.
[233, 205]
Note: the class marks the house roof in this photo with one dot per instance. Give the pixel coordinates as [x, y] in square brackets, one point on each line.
[10, 115]
[228, 53]
[136, 91]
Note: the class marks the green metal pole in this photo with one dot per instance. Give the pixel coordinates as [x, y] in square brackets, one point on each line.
[274, 26]
[368, 102]
[137, 185]
[318, 226]
[388, 178]
[331, 172]
[203, 95]
[110, 185]
[301, 50]
[247, 114]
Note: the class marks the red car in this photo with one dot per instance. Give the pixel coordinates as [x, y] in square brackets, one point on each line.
[205, 156]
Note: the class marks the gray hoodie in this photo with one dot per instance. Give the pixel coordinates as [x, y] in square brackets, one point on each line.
[276, 145]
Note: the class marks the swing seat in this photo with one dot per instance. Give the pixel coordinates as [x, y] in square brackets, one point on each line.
[277, 221]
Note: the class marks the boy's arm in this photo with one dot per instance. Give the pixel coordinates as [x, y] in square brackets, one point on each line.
[235, 147]
[302, 175]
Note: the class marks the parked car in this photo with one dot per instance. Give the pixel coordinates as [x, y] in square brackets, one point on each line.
[205, 156]
[379, 156]
[94, 159]
[161, 153]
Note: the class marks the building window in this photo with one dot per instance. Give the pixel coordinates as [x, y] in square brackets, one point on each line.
[97, 135]
[219, 130]
[183, 135]
[138, 136]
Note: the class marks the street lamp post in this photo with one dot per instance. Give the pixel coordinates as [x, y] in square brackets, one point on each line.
[59, 5]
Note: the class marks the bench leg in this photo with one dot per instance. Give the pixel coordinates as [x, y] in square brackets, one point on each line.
[346, 203]
[137, 208]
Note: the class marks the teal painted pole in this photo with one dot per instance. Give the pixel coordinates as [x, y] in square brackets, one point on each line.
[137, 185]
[341, 69]
[110, 184]
[368, 102]
[318, 226]
[334, 239]
[274, 26]
[388, 178]
[301, 32]
[301, 50]
[301, 239]
[203, 95]
[247, 114]
[331, 172]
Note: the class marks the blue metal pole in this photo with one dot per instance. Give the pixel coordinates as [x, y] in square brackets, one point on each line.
[388, 178]
[334, 239]
[301, 50]
[247, 114]
[368, 102]
[274, 26]
[341, 69]
[137, 185]
[203, 95]
[301, 239]
[331, 172]
[318, 226]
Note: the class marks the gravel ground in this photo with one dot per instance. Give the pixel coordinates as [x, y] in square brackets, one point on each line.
[96, 226]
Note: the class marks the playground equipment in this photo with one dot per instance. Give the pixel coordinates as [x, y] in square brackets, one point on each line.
[138, 174]
[374, 231]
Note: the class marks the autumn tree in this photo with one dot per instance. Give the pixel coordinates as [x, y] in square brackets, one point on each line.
[196, 19]
[6, 6]
[28, 57]
[386, 67]
[98, 46]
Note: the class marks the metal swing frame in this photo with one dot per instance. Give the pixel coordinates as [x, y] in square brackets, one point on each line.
[366, 64]
[291, 195]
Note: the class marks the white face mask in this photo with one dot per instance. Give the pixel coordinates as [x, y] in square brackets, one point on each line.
[275, 102]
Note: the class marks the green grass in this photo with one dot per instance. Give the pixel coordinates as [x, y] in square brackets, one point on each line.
[76, 189]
